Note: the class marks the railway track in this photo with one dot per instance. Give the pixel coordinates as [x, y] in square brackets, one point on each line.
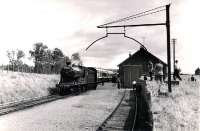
[15, 106]
[23, 104]
[123, 118]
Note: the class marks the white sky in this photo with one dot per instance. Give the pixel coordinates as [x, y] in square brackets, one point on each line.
[71, 26]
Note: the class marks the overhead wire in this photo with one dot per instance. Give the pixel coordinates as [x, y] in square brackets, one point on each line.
[135, 16]
[145, 13]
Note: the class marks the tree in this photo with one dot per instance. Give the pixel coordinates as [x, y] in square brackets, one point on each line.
[11, 57]
[47, 61]
[20, 54]
[57, 54]
[38, 54]
[15, 59]
[58, 59]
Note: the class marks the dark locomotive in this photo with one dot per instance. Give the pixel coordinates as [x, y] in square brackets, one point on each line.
[76, 78]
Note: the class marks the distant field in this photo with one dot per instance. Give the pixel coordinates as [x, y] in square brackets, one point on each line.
[16, 86]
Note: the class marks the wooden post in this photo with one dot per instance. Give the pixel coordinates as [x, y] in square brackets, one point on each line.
[168, 47]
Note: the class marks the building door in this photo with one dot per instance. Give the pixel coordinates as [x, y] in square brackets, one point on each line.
[131, 73]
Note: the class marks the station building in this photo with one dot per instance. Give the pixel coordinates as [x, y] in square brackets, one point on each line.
[136, 65]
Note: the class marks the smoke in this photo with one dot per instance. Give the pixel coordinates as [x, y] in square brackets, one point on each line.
[76, 59]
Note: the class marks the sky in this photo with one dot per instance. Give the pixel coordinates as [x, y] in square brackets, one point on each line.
[71, 26]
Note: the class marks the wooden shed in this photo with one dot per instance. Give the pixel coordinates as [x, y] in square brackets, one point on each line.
[197, 71]
[136, 65]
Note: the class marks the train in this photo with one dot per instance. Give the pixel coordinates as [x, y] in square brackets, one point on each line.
[105, 75]
[76, 79]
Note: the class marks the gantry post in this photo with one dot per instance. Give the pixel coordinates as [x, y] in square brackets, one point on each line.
[168, 47]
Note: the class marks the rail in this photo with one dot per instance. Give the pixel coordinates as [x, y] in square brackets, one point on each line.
[13, 103]
[135, 115]
[103, 123]
[123, 117]
[15, 106]
[25, 103]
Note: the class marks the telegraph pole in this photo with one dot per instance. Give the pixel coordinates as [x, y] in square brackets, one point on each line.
[168, 47]
[174, 49]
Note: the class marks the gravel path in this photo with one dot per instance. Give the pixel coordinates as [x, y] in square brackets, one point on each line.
[84, 112]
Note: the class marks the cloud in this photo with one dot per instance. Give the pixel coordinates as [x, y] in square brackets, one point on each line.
[71, 26]
[95, 13]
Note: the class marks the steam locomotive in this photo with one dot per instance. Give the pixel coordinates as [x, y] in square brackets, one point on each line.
[76, 78]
